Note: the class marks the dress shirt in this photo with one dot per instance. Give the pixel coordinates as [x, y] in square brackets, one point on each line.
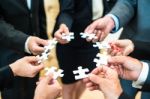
[97, 9]
[143, 76]
[29, 4]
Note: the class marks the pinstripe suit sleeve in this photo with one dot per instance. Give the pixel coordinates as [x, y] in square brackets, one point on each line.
[11, 38]
[124, 10]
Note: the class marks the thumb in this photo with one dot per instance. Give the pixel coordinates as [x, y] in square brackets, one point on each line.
[95, 79]
[42, 41]
[48, 79]
[31, 59]
[64, 28]
[38, 68]
[117, 59]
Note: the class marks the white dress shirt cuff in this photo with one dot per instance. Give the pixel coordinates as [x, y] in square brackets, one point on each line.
[116, 20]
[143, 76]
[26, 46]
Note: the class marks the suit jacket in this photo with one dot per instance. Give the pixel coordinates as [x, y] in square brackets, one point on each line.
[77, 14]
[146, 87]
[6, 77]
[8, 39]
[15, 17]
[135, 21]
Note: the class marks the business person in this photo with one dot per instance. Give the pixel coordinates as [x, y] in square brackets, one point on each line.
[26, 67]
[106, 78]
[75, 16]
[23, 16]
[134, 20]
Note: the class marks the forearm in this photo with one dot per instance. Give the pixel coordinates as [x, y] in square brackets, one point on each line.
[66, 13]
[124, 11]
[11, 37]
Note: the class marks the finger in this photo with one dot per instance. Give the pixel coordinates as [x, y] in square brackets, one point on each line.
[38, 68]
[94, 78]
[86, 80]
[119, 53]
[48, 79]
[58, 34]
[128, 50]
[42, 42]
[117, 59]
[31, 59]
[103, 36]
[38, 49]
[91, 28]
[114, 53]
[93, 88]
[95, 71]
[64, 28]
[98, 34]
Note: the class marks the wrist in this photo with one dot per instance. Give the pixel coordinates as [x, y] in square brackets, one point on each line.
[114, 95]
[27, 45]
[110, 21]
[13, 68]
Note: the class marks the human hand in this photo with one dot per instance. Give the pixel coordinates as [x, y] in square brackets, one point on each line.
[121, 47]
[47, 88]
[36, 45]
[127, 67]
[101, 27]
[58, 34]
[106, 80]
[26, 67]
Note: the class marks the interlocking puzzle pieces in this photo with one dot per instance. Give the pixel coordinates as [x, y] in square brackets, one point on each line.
[68, 36]
[89, 36]
[81, 73]
[101, 60]
[51, 44]
[56, 72]
[44, 56]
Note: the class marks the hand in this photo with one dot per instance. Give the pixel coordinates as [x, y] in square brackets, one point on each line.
[106, 80]
[101, 27]
[36, 45]
[121, 47]
[127, 67]
[26, 67]
[47, 88]
[58, 34]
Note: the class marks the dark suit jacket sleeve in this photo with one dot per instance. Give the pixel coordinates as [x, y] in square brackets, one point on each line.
[146, 86]
[10, 37]
[6, 77]
[124, 10]
[141, 46]
[66, 13]
[124, 96]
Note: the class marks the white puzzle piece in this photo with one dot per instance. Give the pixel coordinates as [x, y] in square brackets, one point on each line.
[44, 56]
[51, 44]
[68, 37]
[56, 73]
[102, 45]
[101, 60]
[81, 72]
[89, 36]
